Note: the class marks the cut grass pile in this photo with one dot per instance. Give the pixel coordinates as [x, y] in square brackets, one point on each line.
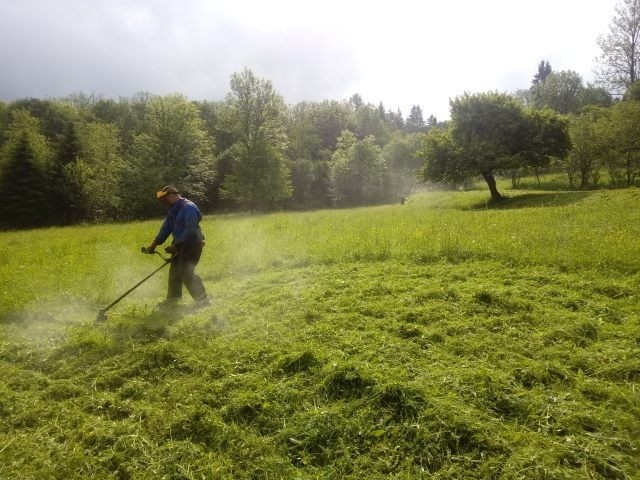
[441, 339]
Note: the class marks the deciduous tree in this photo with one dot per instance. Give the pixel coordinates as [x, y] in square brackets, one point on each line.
[260, 177]
[173, 149]
[442, 160]
[487, 128]
[102, 167]
[625, 124]
[357, 171]
[402, 164]
[619, 62]
[561, 91]
[491, 133]
[584, 158]
[545, 135]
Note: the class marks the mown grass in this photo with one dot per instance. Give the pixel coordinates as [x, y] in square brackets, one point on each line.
[446, 338]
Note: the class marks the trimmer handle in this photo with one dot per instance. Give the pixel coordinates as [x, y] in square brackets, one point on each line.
[155, 252]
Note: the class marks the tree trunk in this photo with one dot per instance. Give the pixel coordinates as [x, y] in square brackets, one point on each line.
[491, 182]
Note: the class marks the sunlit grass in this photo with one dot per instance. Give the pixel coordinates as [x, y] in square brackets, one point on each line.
[574, 230]
[446, 338]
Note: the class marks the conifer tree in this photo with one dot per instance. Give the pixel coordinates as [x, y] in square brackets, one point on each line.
[24, 187]
[415, 121]
[71, 201]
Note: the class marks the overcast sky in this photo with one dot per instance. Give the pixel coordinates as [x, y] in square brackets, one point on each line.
[398, 52]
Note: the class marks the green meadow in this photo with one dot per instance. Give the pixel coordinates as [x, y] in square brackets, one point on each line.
[445, 338]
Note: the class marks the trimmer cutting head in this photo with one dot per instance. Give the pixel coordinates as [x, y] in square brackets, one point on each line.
[102, 315]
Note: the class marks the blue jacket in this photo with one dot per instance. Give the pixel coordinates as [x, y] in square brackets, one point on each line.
[183, 220]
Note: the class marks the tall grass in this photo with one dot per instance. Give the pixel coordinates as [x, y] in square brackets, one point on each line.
[446, 338]
[573, 230]
[570, 230]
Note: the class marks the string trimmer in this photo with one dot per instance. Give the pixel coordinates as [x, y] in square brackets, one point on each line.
[102, 313]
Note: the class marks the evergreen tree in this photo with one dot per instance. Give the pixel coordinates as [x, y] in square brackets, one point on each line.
[415, 122]
[71, 205]
[24, 187]
[396, 119]
[544, 70]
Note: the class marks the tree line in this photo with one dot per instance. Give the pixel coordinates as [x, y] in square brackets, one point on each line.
[87, 158]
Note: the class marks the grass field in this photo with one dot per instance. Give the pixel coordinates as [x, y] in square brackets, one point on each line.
[446, 338]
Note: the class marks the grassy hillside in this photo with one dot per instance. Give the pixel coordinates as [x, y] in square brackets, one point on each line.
[445, 338]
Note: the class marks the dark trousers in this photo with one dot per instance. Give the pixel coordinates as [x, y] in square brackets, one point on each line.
[182, 271]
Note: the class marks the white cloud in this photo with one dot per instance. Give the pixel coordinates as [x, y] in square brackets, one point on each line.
[402, 53]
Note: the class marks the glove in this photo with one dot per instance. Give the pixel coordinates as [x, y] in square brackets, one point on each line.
[148, 250]
[172, 249]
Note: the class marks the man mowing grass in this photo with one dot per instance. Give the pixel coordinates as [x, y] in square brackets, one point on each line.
[183, 221]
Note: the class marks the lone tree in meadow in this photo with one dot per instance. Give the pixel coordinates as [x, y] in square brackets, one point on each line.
[491, 133]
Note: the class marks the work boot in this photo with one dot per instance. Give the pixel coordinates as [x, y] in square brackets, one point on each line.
[168, 304]
[202, 302]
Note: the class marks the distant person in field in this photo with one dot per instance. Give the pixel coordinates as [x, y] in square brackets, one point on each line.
[183, 221]
[403, 199]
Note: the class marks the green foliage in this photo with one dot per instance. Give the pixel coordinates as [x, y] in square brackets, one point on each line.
[586, 151]
[487, 129]
[546, 136]
[561, 91]
[440, 339]
[174, 149]
[632, 94]
[442, 161]
[101, 160]
[310, 182]
[357, 171]
[259, 177]
[369, 122]
[605, 138]
[253, 152]
[304, 136]
[625, 126]
[402, 164]
[491, 133]
[67, 180]
[415, 122]
[24, 187]
[53, 115]
[21, 122]
[618, 65]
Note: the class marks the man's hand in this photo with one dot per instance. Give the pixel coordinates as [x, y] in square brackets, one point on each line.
[149, 250]
[172, 249]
